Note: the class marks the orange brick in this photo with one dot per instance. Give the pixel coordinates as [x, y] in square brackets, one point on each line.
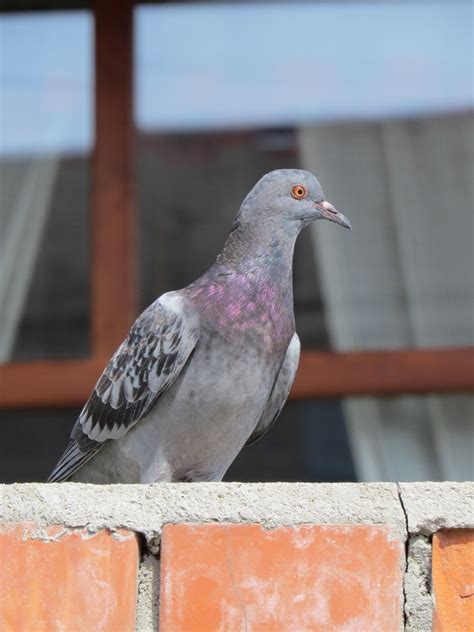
[69, 581]
[453, 580]
[292, 579]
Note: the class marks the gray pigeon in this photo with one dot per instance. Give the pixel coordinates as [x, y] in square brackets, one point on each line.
[207, 369]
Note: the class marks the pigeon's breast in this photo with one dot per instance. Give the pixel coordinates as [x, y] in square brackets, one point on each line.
[243, 310]
[202, 422]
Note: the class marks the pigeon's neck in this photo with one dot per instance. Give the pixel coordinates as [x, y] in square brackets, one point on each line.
[258, 252]
[248, 292]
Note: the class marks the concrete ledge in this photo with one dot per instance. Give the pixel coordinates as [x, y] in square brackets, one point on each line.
[146, 508]
[423, 508]
[433, 506]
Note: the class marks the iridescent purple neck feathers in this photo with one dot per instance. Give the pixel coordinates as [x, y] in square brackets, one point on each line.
[248, 293]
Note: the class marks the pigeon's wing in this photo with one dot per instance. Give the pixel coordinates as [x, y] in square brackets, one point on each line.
[157, 348]
[280, 391]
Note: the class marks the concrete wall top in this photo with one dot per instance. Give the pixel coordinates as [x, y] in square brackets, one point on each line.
[423, 507]
[433, 506]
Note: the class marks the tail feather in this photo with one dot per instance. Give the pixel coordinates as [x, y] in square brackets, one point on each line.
[72, 459]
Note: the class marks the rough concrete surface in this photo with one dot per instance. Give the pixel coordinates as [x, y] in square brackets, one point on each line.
[145, 508]
[148, 595]
[417, 587]
[433, 506]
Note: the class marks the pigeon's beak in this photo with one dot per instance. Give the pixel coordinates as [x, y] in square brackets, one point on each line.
[330, 213]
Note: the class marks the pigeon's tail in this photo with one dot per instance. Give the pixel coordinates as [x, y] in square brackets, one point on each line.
[72, 459]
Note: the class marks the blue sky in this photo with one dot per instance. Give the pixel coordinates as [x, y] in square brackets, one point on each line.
[46, 82]
[230, 66]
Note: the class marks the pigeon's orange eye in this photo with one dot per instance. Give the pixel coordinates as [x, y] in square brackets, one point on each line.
[298, 191]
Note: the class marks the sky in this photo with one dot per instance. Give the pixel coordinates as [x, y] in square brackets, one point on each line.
[214, 67]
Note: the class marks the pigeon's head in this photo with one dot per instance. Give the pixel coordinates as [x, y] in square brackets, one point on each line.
[292, 197]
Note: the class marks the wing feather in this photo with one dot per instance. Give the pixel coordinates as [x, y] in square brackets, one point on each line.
[148, 361]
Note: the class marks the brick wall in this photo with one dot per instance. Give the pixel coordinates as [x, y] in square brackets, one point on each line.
[237, 557]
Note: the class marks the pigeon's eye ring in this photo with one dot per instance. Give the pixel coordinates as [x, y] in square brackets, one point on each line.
[298, 191]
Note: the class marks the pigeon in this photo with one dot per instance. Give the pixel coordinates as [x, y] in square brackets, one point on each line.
[205, 370]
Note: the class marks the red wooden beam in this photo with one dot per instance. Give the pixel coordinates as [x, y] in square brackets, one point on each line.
[113, 230]
[321, 375]
[48, 384]
[387, 372]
